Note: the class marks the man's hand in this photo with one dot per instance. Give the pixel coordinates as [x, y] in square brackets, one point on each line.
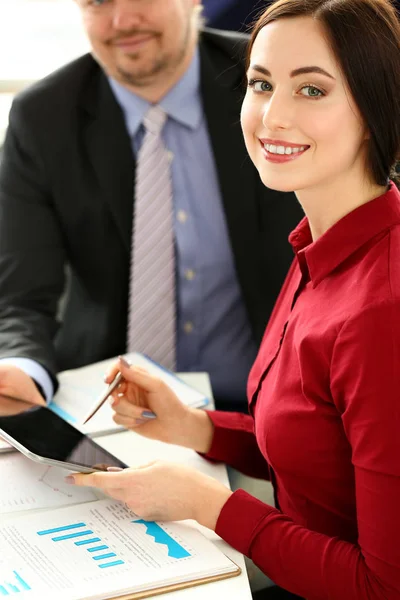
[17, 386]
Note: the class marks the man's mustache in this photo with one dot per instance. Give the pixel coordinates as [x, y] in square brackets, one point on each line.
[127, 35]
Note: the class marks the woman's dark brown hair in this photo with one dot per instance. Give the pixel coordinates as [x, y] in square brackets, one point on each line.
[365, 38]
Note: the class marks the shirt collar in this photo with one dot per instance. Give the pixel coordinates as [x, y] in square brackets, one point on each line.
[182, 103]
[318, 259]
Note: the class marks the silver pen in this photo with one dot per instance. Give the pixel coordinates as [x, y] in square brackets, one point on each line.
[113, 385]
[99, 403]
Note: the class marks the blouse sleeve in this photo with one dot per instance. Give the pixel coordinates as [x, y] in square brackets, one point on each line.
[234, 443]
[365, 385]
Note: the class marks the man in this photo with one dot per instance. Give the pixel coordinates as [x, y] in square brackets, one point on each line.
[69, 193]
[235, 15]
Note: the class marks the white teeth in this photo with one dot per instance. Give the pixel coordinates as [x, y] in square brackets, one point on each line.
[283, 149]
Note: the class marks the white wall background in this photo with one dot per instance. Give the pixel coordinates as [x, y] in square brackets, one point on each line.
[36, 37]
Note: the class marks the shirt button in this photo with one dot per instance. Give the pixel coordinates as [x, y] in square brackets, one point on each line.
[188, 327]
[189, 274]
[182, 216]
[170, 156]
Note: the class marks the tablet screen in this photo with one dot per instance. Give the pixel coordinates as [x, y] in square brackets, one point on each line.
[44, 433]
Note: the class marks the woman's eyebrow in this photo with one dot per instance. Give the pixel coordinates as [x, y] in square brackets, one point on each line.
[312, 69]
[295, 72]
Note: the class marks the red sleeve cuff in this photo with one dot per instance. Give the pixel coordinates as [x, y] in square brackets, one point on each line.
[239, 519]
[226, 428]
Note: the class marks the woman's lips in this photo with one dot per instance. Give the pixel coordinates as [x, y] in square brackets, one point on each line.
[295, 151]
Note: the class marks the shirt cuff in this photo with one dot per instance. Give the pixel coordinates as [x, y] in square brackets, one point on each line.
[240, 518]
[34, 370]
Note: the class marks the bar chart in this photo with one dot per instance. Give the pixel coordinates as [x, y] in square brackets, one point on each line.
[14, 584]
[85, 538]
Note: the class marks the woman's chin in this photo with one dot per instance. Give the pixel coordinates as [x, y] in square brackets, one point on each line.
[280, 184]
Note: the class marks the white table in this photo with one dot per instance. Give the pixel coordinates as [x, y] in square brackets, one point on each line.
[135, 450]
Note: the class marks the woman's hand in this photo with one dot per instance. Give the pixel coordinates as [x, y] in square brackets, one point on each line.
[162, 491]
[141, 393]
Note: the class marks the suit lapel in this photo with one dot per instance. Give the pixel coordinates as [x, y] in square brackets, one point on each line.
[222, 97]
[109, 150]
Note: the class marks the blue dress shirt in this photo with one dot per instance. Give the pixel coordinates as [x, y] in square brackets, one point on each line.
[213, 332]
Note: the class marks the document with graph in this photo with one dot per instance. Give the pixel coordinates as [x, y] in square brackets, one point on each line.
[79, 389]
[27, 485]
[102, 550]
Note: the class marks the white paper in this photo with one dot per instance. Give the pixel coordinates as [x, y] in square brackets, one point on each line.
[28, 485]
[80, 389]
[100, 550]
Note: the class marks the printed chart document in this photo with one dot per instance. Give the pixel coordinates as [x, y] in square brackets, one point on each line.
[102, 550]
[80, 388]
[27, 485]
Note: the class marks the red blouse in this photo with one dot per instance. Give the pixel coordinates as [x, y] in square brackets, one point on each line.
[324, 398]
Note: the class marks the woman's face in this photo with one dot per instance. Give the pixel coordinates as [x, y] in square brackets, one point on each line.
[301, 126]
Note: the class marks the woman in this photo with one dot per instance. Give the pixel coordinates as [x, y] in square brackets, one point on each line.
[321, 117]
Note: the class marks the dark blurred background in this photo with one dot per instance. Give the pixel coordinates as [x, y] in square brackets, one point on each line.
[238, 15]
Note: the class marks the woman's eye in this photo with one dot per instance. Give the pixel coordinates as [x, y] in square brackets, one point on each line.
[97, 2]
[258, 85]
[311, 91]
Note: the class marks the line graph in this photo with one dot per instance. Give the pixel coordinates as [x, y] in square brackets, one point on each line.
[26, 485]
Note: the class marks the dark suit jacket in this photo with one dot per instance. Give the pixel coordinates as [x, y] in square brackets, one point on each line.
[66, 190]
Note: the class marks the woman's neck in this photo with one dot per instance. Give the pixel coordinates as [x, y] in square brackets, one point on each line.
[326, 204]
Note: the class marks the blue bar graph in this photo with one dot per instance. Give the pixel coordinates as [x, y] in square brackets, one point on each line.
[104, 556]
[91, 541]
[97, 548]
[111, 564]
[59, 529]
[12, 588]
[22, 583]
[84, 533]
[70, 536]
[7, 588]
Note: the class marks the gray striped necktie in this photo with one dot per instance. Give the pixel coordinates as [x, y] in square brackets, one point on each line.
[152, 317]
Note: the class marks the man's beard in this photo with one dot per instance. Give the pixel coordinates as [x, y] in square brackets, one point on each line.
[142, 77]
[162, 63]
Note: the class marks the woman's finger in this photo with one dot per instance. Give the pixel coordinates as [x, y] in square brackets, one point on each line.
[112, 372]
[128, 422]
[127, 409]
[99, 479]
[141, 377]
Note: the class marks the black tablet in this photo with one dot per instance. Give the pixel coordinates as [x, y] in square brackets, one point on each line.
[44, 437]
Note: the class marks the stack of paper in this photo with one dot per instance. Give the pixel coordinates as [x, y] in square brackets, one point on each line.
[102, 550]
